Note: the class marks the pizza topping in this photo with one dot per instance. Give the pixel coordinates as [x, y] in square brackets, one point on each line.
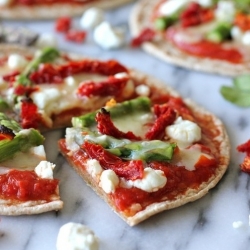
[225, 11]
[91, 18]
[45, 170]
[245, 148]
[142, 90]
[152, 180]
[17, 62]
[184, 131]
[75, 236]
[109, 181]
[146, 35]
[164, 119]
[94, 168]
[106, 126]
[63, 24]
[108, 37]
[77, 36]
[26, 186]
[128, 169]
[6, 133]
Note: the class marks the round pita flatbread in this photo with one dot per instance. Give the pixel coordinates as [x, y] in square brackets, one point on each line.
[52, 11]
[166, 51]
[219, 144]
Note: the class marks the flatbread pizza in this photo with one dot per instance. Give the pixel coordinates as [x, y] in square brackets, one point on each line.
[148, 154]
[18, 9]
[132, 138]
[210, 36]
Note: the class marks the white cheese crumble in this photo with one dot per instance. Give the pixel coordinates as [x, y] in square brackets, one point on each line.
[70, 138]
[238, 224]
[91, 18]
[109, 37]
[94, 168]
[45, 170]
[142, 90]
[246, 38]
[46, 40]
[152, 180]
[75, 236]
[109, 181]
[236, 33]
[170, 7]
[16, 61]
[225, 11]
[184, 131]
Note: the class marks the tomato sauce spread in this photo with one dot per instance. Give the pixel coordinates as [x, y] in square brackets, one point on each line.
[205, 48]
[179, 180]
[26, 186]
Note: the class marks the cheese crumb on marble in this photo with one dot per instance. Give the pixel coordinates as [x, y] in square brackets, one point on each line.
[46, 40]
[75, 236]
[170, 7]
[45, 170]
[108, 37]
[238, 224]
[152, 180]
[109, 181]
[91, 18]
[16, 61]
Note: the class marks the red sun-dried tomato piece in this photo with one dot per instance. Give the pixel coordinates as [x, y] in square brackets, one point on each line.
[22, 90]
[30, 118]
[146, 35]
[158, 128]
[194, 14]
[109, 87]
[63, 24]
[46, 73]
[244, 148]
[77, 36]
[130, 170]
[11, 77]
[107, 127]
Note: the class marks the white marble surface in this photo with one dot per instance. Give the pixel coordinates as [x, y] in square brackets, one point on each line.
[202, 225]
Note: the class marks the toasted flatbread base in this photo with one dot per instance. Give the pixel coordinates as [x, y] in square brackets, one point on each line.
[220, 148]
[30, 207]
[55, 10]
[166, 51]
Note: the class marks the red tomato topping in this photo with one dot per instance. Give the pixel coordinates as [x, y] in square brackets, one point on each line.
[24, 90]
[63, 24]
[245, 148]
[166, 117]
[146, 35]
[205, 48]
[243, 21]
[77, 36]
[110, 87]
[26, 185]
[30, 118]
[194, 14]
[130, 170]
[48, 73]
[11, 76]
[107, 127]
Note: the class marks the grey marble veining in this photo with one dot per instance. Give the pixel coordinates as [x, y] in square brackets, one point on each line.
[206, 224]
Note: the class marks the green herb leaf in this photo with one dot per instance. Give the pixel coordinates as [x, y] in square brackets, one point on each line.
[239, 93]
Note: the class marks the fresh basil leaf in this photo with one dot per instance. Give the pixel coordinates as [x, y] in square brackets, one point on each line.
[242, 82]
[239, 97]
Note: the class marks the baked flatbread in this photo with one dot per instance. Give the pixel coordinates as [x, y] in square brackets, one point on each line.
[141, 18]
[214, 137]
[51, 10]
